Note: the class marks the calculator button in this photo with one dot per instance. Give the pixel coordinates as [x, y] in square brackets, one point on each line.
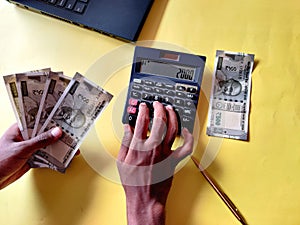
[187, 122]
[135, 94]
[131, 110]
[170, 86]
[147, 96]
[138, 81]
[170, 93]
[159, 91]
[189, 103]
[133, 102]
[137, 87]
[168, 100]
[191, 96]
[159, 84]
[180, 94]
[149, 82]
[179, 101]
[148, 89]
[180, 88]
[189, 112]
[132, 120]
[191, 89]
[157, 98]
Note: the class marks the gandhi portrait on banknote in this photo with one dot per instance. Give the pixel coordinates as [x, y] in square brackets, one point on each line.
[73, 117]
[225, 86]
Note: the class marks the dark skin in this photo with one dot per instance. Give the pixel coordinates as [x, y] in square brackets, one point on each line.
[15, 152]
[147, 164]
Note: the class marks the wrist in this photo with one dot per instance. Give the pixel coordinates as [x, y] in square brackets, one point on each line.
[143, 210]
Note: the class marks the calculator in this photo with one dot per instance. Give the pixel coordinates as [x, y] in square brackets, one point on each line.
[170, 77]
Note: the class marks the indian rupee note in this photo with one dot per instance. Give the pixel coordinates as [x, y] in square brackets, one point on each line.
[31, 87]
[75, 112]
[11, 87]
[230, 95]
[55, 85]
[37, 161]
[13, 94]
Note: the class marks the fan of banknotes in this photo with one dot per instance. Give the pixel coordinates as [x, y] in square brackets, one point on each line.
[43, 99]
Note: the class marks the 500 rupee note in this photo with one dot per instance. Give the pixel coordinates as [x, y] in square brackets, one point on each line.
[11, 87]
[13, 94]
[55, 85]
[75, 112]
[30, 88]
[230, 97]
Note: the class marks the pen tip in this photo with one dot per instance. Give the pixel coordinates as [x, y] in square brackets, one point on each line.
[193, 158]
[195, 161]
[198, 165]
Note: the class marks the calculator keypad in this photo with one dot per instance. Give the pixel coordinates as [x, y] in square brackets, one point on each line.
[182, 97]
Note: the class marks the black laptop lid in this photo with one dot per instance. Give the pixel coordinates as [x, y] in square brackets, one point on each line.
[119, 18]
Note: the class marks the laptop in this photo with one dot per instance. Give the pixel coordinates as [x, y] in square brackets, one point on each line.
[122, 19]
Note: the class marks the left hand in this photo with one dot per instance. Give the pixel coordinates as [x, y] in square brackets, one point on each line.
[15, 152]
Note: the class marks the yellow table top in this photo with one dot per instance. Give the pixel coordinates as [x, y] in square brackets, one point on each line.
[261, 175]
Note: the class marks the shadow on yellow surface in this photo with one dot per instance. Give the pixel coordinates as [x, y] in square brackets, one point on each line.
[153, 20]
[63, 198]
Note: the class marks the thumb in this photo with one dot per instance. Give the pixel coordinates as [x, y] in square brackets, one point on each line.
[42, 140]
[187, 147]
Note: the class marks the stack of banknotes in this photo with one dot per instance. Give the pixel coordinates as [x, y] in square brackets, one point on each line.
[43, 99]
[230, 97]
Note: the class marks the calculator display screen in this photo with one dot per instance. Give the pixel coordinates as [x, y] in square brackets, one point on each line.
[167, 69]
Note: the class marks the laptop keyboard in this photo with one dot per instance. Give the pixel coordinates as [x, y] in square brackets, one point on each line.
[77, 6]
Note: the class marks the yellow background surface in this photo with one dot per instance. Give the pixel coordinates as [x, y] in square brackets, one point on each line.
[261, 175]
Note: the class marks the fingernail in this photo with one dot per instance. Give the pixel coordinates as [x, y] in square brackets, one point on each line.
[155, 102]
[56, 132]
[169, 107]
[142, 104]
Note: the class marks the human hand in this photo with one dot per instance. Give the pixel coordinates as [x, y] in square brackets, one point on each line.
[15, 151]
[146, 164]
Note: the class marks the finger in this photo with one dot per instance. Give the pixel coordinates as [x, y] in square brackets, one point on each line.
[159, 125]
[187, 147]
[77, 152]
[13, 133]
[172, 130]
[15, 176]
[41, 141]
[142, 122]
[13, 129]
[127, 137]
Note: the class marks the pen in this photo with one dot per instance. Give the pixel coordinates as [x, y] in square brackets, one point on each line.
[219, 191]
